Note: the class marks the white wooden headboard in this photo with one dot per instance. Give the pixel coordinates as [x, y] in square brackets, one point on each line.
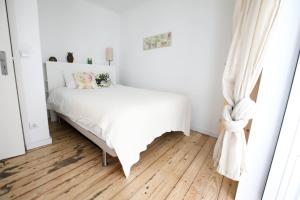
[55, 77]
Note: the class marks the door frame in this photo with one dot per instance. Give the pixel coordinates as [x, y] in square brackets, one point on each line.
[281, 167]
[18, 69]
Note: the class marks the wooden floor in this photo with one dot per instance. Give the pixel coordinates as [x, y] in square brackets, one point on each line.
[173, 167]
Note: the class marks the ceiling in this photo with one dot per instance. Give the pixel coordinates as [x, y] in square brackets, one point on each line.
[117, 5]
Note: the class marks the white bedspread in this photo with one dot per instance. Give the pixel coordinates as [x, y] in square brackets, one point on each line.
[127, 118]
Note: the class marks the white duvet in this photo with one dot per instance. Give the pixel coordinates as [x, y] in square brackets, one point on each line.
[127, 118]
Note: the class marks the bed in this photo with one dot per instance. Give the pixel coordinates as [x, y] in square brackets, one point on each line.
[121, 120]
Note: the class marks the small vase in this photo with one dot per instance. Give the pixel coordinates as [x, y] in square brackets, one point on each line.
[53, 59]
[89, 61]
[70, 57]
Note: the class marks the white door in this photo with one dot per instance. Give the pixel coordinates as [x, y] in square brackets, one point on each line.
[11, 135]
[284, 177]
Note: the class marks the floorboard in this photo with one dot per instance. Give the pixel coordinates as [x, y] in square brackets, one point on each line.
[173, 167]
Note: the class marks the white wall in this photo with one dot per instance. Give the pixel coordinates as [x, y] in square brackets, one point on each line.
[193, 65]
[24, 27]
[80, 27]
[279, 65]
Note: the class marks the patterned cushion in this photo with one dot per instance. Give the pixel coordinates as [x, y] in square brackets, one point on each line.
[85, 80]
[103, 80]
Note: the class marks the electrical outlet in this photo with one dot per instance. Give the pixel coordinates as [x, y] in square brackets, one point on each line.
[33, 125]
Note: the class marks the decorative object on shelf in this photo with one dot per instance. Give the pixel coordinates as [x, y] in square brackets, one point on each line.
[70, 57]
[109, 55]
[158, 41]
[89, 61]
[52, 59]
[103, 80]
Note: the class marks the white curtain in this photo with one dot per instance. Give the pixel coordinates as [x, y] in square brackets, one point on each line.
[253, 20]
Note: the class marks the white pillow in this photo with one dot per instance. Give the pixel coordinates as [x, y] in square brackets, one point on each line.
[69, 79]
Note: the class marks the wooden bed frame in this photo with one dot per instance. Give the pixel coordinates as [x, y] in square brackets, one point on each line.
[56, 79]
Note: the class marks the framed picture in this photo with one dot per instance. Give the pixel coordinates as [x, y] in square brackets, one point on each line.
[158, 41]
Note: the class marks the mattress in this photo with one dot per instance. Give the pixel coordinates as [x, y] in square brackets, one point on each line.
[126, 118]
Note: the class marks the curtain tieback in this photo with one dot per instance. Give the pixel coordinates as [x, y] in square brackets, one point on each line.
[236, 117]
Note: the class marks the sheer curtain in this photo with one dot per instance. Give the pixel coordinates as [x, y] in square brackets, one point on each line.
[252, 23]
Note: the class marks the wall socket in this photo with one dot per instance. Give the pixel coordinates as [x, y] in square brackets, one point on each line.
[33, 125]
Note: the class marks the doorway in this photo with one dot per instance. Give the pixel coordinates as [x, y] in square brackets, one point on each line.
[11, 133]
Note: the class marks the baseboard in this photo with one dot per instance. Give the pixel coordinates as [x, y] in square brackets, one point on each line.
[205, 132]
[39, 143]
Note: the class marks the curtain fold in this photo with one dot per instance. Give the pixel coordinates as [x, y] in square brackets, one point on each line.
[252, 23]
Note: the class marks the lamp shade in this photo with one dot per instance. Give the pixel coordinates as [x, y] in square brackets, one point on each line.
[109, 54]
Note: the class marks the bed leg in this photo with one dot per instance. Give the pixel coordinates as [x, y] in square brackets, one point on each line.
[59, 120]
[53, 116]
[104, 160]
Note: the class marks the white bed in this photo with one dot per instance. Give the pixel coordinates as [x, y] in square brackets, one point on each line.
[125, 119]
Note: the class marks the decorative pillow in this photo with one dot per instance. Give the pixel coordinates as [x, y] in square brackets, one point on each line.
[85, 80]
[69, 79]
[103, 80]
